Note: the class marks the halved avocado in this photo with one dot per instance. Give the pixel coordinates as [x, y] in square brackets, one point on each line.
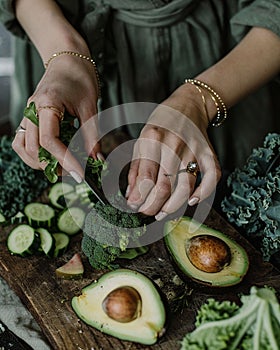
[205, 255]
[125, 304]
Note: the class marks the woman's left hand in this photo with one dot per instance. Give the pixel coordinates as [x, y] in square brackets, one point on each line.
[174, 136]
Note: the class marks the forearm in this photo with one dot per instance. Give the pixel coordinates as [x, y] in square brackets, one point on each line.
[253, 62]
[47, 28]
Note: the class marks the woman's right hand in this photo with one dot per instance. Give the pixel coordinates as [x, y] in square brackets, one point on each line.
[69, 84]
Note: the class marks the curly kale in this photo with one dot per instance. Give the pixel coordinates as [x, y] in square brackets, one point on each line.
[254, 200]
[19, 184]
[255, 325]
[108, 232]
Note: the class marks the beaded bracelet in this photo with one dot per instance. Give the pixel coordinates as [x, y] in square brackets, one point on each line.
[76, 54]
[219, 103]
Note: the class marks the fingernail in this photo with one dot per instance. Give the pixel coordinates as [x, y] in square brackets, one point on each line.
[161, 215]
[76, 176]
[193, 201]
[100, 156]
[127, 191]
[132, 206]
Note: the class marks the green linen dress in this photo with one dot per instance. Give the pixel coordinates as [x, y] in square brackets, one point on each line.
[145, 49]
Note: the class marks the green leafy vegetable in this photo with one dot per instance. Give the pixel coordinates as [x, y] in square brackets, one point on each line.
[31, 114]
[254, 200]
[19, 184]
[67, 131]
[224, 326]
[108, 232]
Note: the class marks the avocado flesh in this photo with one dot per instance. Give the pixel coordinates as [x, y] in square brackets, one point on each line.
[178, 232]
[146, 329]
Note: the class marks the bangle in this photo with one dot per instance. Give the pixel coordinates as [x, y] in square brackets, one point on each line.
[219, 103]
[76, 54]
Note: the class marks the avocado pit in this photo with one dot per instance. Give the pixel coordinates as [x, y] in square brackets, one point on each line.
[208, 253]
[123, 304]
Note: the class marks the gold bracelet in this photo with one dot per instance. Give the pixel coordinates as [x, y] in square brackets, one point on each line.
[204, 102]
[219, 103]
[76, 54]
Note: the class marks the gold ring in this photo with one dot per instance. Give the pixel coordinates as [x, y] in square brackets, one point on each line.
[58, 112]
[192, 168]
[20, 128]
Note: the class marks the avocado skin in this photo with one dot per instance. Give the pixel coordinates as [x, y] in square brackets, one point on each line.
[192, 275]
[146, 329]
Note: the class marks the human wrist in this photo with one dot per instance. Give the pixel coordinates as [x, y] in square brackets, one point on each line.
[208, 92]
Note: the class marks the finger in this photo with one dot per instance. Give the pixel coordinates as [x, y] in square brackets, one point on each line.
[164, 185]
[18, 146]
[49, 129]
[144, 172]
[211, 174]
[132, 175]
[89, 126]
[31, 139]
[184, 187]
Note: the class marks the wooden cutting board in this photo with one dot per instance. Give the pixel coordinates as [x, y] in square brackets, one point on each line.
[49, 298]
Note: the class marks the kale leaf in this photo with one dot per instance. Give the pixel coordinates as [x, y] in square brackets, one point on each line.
[254, 200]
[19, 184]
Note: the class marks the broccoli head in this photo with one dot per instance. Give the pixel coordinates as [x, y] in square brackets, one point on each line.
[108, 232]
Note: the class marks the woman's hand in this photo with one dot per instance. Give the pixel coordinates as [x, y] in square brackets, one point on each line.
[69, 84]
[174, 135]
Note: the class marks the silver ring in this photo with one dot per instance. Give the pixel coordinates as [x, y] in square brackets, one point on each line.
[20, 128]
[192, 168]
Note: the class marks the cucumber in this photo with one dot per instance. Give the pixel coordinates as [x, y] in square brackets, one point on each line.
[2, 219]
[23, 240]
[61, 243]
[47, 242]
[68, 199]
[39, 215]
[58, 191]
[71, 220]
[18, 218]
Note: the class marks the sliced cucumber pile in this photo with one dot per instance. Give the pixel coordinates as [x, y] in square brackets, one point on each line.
[46, 228]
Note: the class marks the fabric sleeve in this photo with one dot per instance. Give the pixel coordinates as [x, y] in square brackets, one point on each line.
[256, 13]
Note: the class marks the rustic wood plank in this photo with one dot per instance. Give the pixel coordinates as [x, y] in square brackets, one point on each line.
[49, 298]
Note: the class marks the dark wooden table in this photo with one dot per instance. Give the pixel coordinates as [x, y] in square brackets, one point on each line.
[49, 298]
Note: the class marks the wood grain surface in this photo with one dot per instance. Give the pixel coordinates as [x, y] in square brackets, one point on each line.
[49, 298]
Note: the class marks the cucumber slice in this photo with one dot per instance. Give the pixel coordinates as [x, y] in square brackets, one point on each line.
[2, 219]
[73, 269]
[47, 242]
[39, 215]
[61, 243]
[71, 220]
[57, 191]
[18, 218]
[68, 199]
[23, 240]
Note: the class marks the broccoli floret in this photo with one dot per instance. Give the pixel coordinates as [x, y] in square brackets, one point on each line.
[108, 232]
[100, 257]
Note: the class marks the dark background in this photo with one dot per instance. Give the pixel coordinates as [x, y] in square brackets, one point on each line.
[6, 71]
